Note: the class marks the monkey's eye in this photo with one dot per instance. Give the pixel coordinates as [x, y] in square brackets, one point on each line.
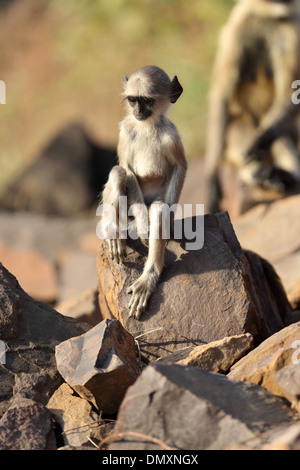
[131, 100]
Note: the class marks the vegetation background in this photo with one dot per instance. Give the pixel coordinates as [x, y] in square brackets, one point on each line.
[63, 62]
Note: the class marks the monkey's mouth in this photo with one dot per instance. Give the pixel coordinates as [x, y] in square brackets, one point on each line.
[143, 117]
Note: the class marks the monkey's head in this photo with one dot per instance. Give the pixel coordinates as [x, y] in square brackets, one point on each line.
[149, 92]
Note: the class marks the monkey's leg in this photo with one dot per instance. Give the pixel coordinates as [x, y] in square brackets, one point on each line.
[114, 188]
[143, 287]
[137, 207]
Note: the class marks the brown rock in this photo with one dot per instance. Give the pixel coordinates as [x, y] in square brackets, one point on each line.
[288, 380]
[56, 240]
[35, 272]
[217, 356]
[256, 228]
[100, 365]
[26, 425]
[188, 408]
[71, 284]
[286, 439]
[260, 365]
[65, 179]
[74, 415]
[203, 295]
[83, 307]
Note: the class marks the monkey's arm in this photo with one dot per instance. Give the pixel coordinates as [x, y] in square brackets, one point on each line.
[285, 65]
[177, 176]
[224, 80]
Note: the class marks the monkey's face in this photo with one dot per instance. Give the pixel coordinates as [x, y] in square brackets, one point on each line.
[142, 107]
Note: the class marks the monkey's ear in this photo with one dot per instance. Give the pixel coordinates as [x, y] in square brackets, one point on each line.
[175, 90]
[125, 80]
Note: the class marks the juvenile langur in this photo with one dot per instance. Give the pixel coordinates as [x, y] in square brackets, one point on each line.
[252, 122]
[151, 171]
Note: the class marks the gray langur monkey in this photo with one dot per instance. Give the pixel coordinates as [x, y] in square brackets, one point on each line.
[252, 120]
[151, 171]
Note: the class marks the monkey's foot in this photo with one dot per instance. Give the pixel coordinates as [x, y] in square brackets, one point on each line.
[141, 290]
[117, 250]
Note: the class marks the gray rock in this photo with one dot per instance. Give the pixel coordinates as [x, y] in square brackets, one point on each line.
[100, 365]
[30, 330]
[26, 425]
[189, 408]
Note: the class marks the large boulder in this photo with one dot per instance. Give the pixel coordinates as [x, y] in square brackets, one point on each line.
[70, 160]
[188, 408]
[203, 295]
[30, 331]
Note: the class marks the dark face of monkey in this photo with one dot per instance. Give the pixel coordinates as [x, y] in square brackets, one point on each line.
[149, 92]
[142, 106]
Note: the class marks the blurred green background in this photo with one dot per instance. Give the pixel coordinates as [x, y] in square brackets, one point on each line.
[63, 62]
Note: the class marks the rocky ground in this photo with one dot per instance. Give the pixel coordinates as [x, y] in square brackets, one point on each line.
[214, 362]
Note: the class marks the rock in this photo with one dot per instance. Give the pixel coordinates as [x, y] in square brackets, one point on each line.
[203, 295]
[288, 380]
[217, 356]
[256, 228]
[77, 448]
[75, 416]
[37, 386]
[30, 330]
[35, 272]
[273, 354]
[26, 425]
[71, 160]
[100, 364]
[72, 284]
[48, 256]
[50, 236]
[189, 408]
[84, 307]
[287, 439]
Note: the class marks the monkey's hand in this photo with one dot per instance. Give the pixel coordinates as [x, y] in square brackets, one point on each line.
[141, 290]
[117, 250]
